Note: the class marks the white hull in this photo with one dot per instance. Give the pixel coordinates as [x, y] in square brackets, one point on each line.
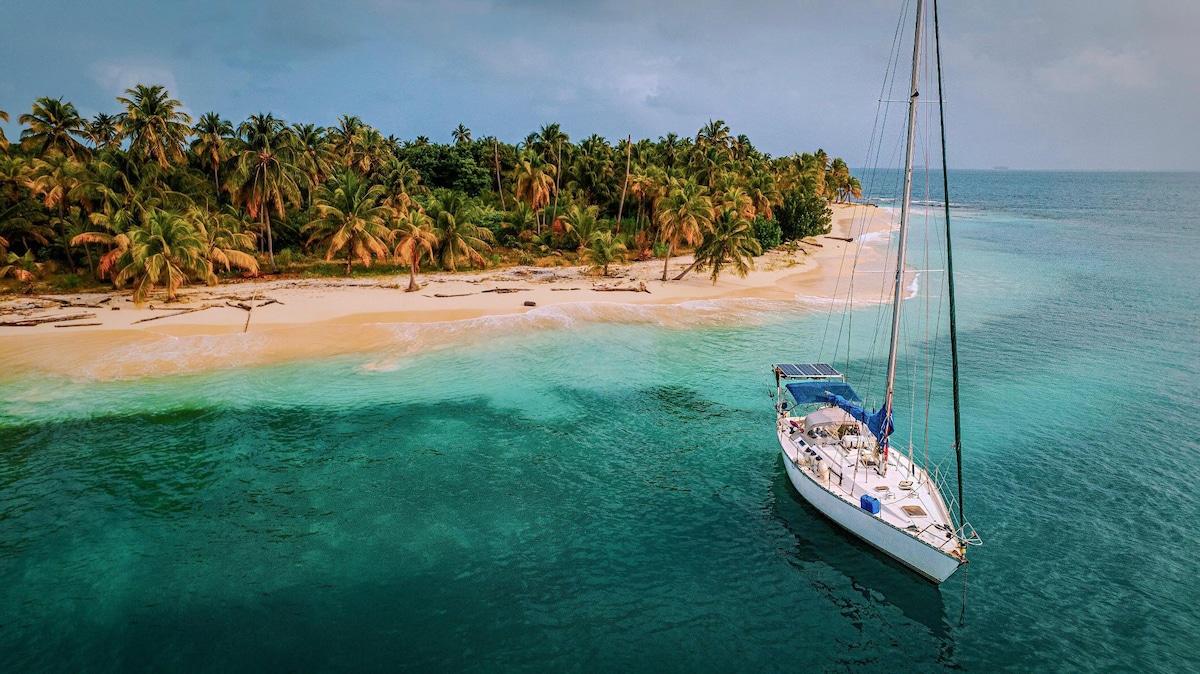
[932, 563]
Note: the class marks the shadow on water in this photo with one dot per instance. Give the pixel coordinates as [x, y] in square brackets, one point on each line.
[870, 578]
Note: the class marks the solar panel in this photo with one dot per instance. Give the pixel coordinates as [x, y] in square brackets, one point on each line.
[807, 370]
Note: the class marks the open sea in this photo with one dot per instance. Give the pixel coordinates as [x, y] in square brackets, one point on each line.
[600, 489]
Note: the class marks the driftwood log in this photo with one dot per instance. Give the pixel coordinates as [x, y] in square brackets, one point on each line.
[639, 288]
[30, 322]
[840, 238]
[76, 325]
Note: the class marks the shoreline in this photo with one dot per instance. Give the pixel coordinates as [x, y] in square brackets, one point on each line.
[264, 322]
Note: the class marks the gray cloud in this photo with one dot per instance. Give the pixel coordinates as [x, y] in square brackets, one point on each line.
[1071, 84]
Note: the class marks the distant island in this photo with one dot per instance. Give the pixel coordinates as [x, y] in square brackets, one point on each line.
[148, 199]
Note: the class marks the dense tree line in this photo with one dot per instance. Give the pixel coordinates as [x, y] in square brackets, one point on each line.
[152, 198]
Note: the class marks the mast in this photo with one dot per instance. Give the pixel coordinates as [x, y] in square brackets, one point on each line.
[937, 45]
[914, 95]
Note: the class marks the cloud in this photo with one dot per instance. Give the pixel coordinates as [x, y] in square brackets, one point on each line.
[117, 77]
[1095, 69]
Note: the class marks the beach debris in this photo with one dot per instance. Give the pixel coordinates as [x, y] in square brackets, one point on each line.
[502, 291]
[560, 290]
[29, 322]
[840, 238]
[530, 303]
[177, 313]
[811, 243]
[76, 325]
[639, 288]
[452, 294]
[79, 303]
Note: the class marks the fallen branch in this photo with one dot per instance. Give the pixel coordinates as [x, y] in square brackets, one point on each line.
[270, 301]
[840, 238]
[453, 295]
[240, 305]
[177, 313]
[558, 290]
[502, 291]
[76, 325]
[30, 322]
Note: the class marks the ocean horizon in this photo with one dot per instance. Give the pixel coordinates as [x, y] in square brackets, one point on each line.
[601, 488]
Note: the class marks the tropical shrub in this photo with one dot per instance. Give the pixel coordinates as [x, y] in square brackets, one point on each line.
[767, 232]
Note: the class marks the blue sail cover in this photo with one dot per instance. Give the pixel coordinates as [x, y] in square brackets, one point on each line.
[879, 423]
[806, 392]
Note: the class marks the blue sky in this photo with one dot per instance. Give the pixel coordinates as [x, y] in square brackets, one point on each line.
[1099, 84]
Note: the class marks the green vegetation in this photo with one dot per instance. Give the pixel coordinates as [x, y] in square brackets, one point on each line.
[145, 197]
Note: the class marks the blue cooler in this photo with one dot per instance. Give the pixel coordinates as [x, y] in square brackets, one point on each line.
[869, 503]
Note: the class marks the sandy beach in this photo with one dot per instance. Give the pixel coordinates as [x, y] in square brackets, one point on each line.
[257, 322]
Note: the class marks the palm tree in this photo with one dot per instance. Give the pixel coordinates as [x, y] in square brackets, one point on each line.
[582, 221]
[403, 182]
[459, 237]
[714, 134]
[350, 216]
[114, 233]
[521, 220]
[683, 216]
[103, 131]
[764, 193]
[312, 155]
[211, 145]
[164, 251]
[265, 178]
[21, 267]
[341, 138]
[731, 241]
[369, 150]
[53, 126]
[461, 135]
[603, 250]
[157, 130]
[3, 138]
[54, 180]
[534, 183]
[415, 238]
[224, 241]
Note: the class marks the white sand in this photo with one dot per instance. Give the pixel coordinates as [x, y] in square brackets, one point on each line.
[311, 318]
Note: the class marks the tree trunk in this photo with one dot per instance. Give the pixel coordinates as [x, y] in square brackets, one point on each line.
[91, 267]
[624, 185]
[412, 278]
[666, 261]
[685, 272]
[270, 242]
[557, 183]
[62, 227]
[349, 261]
[499, 185]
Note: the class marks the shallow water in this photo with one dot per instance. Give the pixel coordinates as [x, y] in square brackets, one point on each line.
[598, 488]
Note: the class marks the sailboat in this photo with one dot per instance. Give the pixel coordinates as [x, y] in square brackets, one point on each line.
[838, 453]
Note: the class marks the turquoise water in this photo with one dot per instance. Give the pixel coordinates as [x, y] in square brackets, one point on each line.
[601, 489]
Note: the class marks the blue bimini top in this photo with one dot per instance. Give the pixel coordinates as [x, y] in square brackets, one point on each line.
[806, 392]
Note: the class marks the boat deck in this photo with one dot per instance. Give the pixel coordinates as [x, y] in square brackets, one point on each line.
[908, 499]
